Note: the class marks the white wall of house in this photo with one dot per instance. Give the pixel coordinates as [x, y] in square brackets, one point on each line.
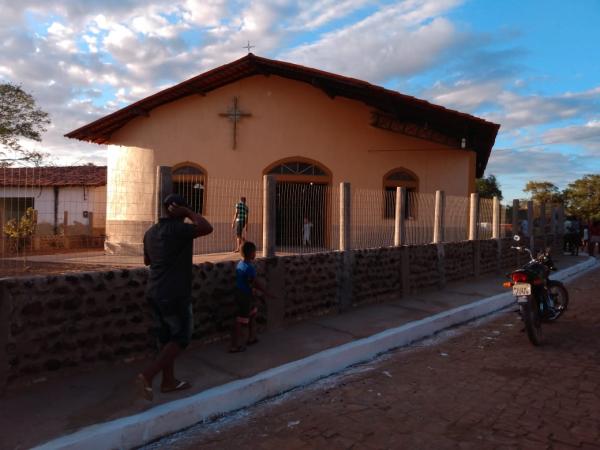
[74, 200]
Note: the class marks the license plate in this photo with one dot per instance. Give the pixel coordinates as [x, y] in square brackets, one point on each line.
[521, 289]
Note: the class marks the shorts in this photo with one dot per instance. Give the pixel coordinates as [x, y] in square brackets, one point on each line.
[174, 320]
[239, 228]
[246, 307]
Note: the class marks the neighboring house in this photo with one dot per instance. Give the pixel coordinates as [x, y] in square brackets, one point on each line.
[76, 194]
[257, 116]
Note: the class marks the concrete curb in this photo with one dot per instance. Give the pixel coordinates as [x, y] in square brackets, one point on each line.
[136, 430]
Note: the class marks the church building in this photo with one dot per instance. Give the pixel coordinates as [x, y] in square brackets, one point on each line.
[258, 116]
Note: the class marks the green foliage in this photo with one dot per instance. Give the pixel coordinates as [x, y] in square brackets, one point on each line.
[543, 192]
[20, 230]
[20, 118]
[488, 187]
[582, 197]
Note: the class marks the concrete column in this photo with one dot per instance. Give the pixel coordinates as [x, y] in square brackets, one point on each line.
[405, 271]
[561, 220]
[345, 207]
[438, 217]
[399, 230]
[90, 226]
[515, 217]
[164, 187]
[66, 242]
[530, 225]
[269, 215]
[5, 315]
[495, 218]
[275, 279]
[543, 224]
[473, 216]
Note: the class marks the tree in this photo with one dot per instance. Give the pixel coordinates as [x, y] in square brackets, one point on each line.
[582, 197]
[543, 192]
[488, 187]
[20, 118]
[20, 230]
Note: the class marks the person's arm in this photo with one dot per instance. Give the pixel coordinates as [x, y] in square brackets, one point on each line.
[147, 261]
[256, 284]
[202, 226]
[234, 218]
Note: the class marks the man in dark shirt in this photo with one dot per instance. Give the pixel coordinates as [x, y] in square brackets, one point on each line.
[168, 250]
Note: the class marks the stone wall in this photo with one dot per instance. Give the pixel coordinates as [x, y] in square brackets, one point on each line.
[459, 262]
[310, 285]
[51, 323]
[488, 256]
[56, 322]
[376, 275]
[423, 267]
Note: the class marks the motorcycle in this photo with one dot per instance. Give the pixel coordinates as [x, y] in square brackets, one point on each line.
[540, 299]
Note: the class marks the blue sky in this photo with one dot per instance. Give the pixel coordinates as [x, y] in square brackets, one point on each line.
[531, 65]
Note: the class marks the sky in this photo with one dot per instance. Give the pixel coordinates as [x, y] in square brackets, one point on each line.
[532, 66]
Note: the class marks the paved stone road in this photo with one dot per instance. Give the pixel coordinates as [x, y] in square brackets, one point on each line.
[485, 387]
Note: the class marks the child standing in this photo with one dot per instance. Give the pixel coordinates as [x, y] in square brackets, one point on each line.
[306, 230]
[244, 328]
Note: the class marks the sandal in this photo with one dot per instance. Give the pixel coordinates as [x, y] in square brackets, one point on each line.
[144, 389]
[239, 349]
[180, 386]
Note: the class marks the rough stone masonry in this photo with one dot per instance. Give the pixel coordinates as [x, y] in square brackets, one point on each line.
[52, 323]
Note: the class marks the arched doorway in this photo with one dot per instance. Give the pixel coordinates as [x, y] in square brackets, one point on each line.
[399, 177]
[189, 181]
[302, 203]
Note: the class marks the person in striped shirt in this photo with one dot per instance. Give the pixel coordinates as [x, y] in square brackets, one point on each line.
[240, 222]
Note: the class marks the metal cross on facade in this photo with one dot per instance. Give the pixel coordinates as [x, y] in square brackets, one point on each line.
[248, 46]
[235, 115]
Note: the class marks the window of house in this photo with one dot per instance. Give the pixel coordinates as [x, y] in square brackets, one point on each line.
[399, 178]
[15, 207]
[189, 181]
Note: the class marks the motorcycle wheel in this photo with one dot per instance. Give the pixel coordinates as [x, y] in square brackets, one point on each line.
[533, 324]
[560, 297]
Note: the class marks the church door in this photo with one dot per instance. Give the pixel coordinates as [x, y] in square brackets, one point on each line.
[303, 199]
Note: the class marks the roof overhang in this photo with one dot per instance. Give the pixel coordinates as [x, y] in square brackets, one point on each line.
[478, 134]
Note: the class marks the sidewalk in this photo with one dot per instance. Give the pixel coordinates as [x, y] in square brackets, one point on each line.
[35, 414]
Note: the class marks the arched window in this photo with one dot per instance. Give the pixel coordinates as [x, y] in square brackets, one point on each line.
[298, 168]
[189, 181]
[399, 178]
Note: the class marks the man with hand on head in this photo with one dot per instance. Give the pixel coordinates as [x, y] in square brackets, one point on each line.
[168, 250]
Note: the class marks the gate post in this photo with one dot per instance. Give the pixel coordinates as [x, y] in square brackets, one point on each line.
[269, 215]
[399, 224]
[345, 206]
[164, 187]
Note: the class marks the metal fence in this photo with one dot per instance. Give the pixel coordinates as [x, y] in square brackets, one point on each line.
[56, 219]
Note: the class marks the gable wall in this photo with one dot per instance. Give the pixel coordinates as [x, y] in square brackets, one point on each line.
[289, 119]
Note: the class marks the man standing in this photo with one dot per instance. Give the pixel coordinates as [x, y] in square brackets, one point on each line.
[168, 250]
[240, 222]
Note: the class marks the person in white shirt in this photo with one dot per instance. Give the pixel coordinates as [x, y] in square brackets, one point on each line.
[306, 231]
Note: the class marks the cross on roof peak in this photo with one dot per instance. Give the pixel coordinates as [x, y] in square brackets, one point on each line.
[248, 47]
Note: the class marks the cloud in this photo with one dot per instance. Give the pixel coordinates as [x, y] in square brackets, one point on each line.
[586, 136]
[514, 168]
[401, 40]
[84, 59]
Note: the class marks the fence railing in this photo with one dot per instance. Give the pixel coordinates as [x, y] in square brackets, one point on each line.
[57, 219]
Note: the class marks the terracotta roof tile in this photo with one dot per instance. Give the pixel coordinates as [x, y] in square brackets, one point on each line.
[53, 176]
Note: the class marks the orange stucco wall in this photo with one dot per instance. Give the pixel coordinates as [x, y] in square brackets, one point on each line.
[290, 119]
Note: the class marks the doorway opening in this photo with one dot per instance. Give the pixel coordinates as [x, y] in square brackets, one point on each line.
[303, 201]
